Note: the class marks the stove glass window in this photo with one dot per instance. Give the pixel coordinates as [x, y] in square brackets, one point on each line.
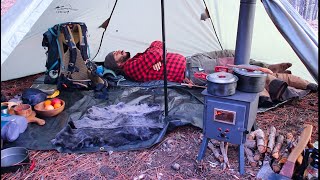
[224, 116]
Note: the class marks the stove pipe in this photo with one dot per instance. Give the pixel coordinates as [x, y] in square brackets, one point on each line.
[244, 33]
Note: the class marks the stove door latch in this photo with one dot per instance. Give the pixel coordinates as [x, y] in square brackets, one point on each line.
[243, 130]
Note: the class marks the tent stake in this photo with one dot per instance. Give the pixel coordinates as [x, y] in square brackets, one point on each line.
[164, 61]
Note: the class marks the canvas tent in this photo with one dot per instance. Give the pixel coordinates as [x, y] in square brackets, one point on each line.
[133, 26]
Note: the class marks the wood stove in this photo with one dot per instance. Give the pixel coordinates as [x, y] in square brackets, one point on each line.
[229, 119]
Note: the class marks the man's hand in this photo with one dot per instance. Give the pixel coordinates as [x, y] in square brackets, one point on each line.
[157, 66]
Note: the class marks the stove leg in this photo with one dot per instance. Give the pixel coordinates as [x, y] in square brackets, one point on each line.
[241, 159]
[203, 148]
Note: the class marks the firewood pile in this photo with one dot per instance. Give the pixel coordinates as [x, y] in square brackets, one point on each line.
[273, 143]
[259, 144]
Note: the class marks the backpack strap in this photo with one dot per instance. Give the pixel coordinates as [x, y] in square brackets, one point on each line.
[55, 31]
[84, 48]
[82, 28]
[72, 48]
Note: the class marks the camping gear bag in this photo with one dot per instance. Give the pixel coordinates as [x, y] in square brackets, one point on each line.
[68, 63]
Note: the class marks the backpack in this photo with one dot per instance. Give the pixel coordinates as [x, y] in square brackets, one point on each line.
[68, 64]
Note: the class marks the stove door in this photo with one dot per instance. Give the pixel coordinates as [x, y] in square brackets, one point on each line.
[225, 121]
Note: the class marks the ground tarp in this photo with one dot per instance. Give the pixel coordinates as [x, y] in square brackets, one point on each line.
[66, 134]
[131, 118]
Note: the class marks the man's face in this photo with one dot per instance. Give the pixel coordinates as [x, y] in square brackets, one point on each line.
[120, 56]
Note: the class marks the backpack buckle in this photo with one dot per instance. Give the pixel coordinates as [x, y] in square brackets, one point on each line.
[53, 74]
[68, 74]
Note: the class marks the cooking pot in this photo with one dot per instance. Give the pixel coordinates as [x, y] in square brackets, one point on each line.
[250, 81]
[221, 83]
[14, 158]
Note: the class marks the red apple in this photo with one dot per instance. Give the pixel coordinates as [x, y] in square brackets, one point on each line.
[54, 101]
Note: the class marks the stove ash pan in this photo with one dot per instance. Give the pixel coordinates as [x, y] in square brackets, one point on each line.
[229, 118]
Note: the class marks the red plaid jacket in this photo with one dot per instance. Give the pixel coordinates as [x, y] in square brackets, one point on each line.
[139, 67]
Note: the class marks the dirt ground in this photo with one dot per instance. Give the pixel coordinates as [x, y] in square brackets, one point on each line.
[173, 158]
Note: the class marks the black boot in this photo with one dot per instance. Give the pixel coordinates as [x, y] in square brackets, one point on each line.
[313, 87]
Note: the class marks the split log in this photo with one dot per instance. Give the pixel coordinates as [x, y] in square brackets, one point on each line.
[252, 134]
[260, 137]
[215, 152]
[284, 157]
[295, 142]
[257, 156]
[289, 137]
[250, 159]
[266, 140]
[271, 138]
[276, 166]
[310, 145]
[277, 147]
[250, 144]
[292, 145]
[289, 140]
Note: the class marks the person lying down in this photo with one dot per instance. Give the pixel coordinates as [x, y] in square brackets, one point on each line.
[281, 85]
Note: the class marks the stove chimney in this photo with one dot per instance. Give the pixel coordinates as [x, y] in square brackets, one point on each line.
[244, 33]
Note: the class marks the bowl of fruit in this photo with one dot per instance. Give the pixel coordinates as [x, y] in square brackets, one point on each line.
[49, 107]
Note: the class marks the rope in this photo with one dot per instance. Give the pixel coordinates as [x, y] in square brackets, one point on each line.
[105, 30]
[214, 29]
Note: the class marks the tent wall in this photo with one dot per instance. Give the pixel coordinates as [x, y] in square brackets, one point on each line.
[133, 26]
[268, 44]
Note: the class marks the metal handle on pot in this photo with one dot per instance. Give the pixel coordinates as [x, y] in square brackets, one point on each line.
[221, 68]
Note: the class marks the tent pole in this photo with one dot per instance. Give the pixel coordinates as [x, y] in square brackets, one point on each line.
[244, 33]
[164, 61]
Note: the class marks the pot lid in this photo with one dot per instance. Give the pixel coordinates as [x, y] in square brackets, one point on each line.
[222, 77]
[250, 73]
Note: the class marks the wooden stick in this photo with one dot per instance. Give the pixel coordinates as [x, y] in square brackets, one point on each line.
[249, 155]
[224, 154]
[226, 149]
[271, 138]
[277, 147]
[193, 85]
[215, 152]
